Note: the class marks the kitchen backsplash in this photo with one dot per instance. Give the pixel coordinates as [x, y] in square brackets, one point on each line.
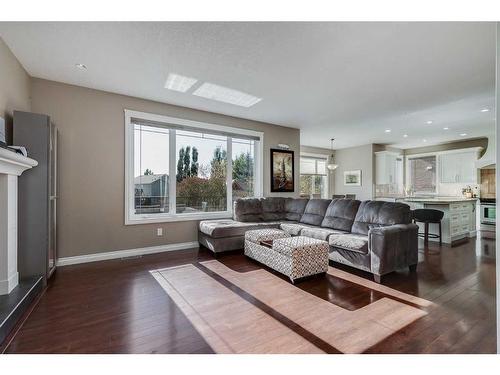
[445, 190]
[488, 183]
[455, 190]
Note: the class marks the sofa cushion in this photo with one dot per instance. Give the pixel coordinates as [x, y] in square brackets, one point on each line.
[228, 228]
[340, 214]
[352, 242]
[294, 208]
[380, 213]
[247, 210]
[293, 229]
[319, 233]
[273, 208]
[315, 211]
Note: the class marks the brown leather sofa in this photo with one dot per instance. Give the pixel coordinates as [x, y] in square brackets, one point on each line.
[374, 236]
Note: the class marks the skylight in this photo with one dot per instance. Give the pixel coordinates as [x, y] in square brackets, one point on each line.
[226, 95]
[179, 83]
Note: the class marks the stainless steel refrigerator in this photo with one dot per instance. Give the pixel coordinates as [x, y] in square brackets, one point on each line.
[37, 203]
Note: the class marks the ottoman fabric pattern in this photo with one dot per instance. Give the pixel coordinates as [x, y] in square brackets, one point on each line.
[293, 229]
[260, 235]
[295, 257]
[299, 245]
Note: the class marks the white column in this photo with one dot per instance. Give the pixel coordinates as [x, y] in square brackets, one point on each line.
[497, 128]
[9, 277]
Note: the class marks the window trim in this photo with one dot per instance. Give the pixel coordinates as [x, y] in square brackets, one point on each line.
[131, 218]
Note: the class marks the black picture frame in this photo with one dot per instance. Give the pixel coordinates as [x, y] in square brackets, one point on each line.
[282, 181]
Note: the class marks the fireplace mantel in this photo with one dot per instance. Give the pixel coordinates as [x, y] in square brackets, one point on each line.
[12, 165]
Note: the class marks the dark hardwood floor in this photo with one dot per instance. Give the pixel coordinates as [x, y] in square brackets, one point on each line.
[116, 306]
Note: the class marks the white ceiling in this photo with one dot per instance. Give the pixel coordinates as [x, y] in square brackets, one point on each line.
[350, 81]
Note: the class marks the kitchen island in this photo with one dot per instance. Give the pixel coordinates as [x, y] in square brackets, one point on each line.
[459, 219]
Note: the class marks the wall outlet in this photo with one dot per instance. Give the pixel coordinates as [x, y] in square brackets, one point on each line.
[159, 232]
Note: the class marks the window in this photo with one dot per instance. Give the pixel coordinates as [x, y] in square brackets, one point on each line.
[243, 151]
[211, 166]
[421, 174]
[313, 177]
[201, 172]
[151, 169]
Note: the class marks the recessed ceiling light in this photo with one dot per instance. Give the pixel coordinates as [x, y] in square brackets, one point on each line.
[81, 66]
[485, 110]
[226, 95]
[179, 83]
[424, 140]
[429, 122]
[463, 134]
[387, 130]
[446, 128]
[405, 135]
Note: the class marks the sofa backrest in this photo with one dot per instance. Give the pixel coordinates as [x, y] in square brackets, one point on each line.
[379, 213]
[247, 209]
[273, 208]
[314, 212]
[340, 214]
[294, 208]
[268, 209]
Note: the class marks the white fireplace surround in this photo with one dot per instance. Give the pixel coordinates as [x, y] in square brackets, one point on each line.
[12, 165]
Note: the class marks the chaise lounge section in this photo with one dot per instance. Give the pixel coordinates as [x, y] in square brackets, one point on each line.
[374, 236]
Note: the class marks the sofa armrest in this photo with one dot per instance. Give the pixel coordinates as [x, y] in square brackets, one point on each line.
[393, 247]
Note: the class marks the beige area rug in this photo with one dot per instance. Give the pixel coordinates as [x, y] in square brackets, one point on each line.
[258, 312]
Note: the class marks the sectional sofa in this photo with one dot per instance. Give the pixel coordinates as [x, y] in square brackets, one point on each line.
[374, 236]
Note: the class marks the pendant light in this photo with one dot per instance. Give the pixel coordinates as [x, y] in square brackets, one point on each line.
[332, 166]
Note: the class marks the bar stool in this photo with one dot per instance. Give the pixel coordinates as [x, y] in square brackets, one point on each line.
[428, 216]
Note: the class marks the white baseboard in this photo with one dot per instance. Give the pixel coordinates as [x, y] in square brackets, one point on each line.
[7, 285]
[125, 253]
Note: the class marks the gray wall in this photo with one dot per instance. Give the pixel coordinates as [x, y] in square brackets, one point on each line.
[15, 86]
[355, 158]
[91, 166]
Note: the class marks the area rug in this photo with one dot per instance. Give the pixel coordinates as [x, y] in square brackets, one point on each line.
[259, 312]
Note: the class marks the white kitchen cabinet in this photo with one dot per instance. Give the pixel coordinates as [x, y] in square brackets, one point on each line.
[389, 169]
[450, 167]
[459, 166]
[468, 170]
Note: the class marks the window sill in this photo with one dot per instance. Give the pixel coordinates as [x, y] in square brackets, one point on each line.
[165, 218]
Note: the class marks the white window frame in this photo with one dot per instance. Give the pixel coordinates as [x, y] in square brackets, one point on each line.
[132, 218]
[327, 179]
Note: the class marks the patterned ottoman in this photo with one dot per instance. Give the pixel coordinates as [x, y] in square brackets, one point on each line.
[295, 257]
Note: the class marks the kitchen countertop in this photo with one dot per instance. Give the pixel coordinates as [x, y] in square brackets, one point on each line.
[438, 200]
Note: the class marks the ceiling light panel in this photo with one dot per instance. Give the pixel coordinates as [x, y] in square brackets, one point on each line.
[179, 83]
[226, 95]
